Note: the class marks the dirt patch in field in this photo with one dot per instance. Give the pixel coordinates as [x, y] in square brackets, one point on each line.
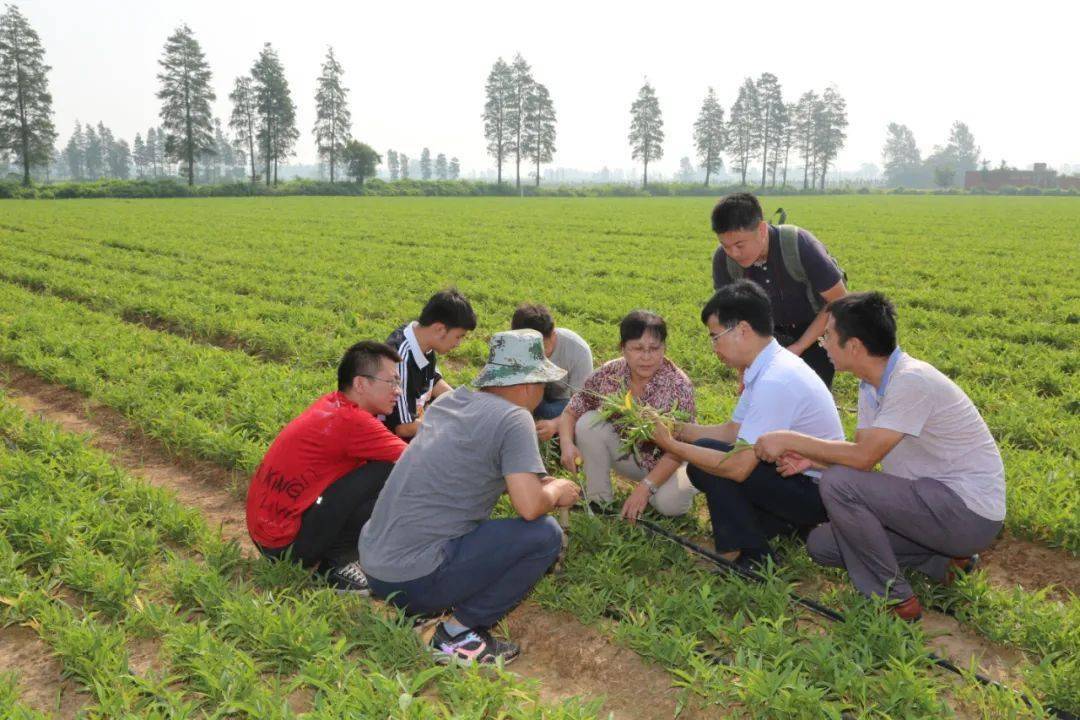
[571, 660]
[39, 683]
[144, 656]
[951, 640]
[566, 658]
[1012, 561]
[197, 484]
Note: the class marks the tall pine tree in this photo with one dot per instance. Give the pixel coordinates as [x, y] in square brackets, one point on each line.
[498, 113]
[646, 129]
[94, 155]
[277, 133]
[425, 164]
[244, 120]
[440, 167]
[185, 96]
[770, 104]
[806, 111]
[830, 124]
[333, 119]
[538, 139]
[743, 128]
[26, 125]
[138, 156]
[521, 86]
[75, 154]
[710, 135]
[392, 164]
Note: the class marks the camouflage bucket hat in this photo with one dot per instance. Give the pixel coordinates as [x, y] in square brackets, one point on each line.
[517, 357]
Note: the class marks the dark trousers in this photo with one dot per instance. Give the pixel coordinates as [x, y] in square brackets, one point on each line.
[814, 356]
[746, 515]
[550, 409]
[484, 574]
[330, 528]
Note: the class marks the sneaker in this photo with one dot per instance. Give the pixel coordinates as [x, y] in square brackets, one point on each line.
[471, 646]
[909, 610]
[959, 566]
[348, 578]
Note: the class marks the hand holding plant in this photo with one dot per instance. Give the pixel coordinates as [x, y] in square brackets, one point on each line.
[635, 503]
[637, 422]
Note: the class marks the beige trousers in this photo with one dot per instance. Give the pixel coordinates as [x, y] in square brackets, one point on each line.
[599, 445]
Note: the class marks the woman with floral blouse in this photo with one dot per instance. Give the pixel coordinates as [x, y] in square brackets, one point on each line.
[653, 380]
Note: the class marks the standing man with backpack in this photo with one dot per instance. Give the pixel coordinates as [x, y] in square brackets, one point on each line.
[790, 264]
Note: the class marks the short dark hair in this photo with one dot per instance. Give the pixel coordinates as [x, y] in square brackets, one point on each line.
[638, 322]
[869, 316]
[534, 317]
[737, 211]
[362, 359]
[450, 308]
[739, 301]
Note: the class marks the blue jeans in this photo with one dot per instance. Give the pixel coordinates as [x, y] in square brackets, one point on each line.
[550, 409]
[484, 574]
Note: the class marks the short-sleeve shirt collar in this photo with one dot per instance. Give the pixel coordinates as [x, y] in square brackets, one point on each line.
[418, 355]
[762, 361]
[873, 395]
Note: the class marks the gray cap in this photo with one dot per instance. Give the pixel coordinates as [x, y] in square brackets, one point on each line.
[516, 357]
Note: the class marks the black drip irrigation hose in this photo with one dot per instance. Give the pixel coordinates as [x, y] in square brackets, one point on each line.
[822, 610]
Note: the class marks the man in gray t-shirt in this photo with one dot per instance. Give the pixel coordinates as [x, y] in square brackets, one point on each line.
[940, 497]
[567, 350]
[430, 542]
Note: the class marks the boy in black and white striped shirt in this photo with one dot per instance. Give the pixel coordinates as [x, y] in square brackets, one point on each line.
[444, 322]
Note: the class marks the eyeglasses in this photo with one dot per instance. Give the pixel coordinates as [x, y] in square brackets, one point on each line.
[643, 351]
[713, 337]
[396, 382]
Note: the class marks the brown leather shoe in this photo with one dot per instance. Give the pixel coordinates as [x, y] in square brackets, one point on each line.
[909, 610]
[959, 566]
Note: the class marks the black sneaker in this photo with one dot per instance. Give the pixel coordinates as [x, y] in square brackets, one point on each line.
[471, 646]
[348, 578]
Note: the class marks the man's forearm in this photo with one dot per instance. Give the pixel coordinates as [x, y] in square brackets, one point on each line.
[690, 433]
[407, 430]
[714, 462]
[829, 452]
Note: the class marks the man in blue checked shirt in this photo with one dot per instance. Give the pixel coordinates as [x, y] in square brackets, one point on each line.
[940, 495]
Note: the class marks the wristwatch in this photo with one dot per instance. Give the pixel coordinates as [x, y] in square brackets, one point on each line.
[649, 484]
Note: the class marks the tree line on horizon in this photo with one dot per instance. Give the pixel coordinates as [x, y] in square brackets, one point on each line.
[760, 128]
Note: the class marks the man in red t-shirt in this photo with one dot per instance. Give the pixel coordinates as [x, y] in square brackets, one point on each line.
[317, 484]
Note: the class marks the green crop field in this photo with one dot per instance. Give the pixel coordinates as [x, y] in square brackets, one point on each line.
[208, 324]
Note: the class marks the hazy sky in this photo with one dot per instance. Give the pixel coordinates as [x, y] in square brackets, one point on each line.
[417, 69]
